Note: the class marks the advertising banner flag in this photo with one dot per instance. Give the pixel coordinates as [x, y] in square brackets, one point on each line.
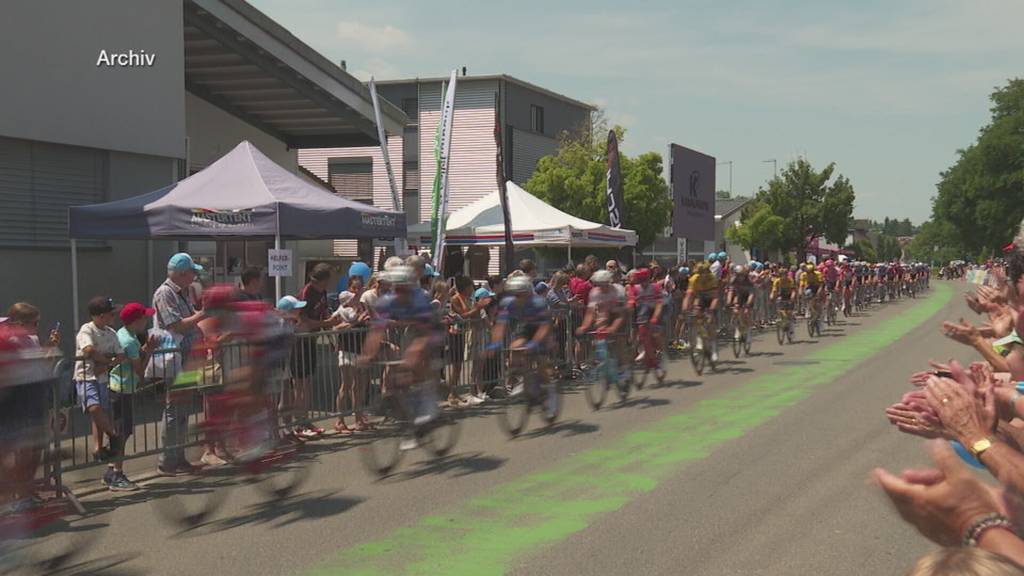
[616, 204]
[502, 188]
[442, 154]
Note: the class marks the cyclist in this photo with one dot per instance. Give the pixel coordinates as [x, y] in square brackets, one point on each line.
[648, 305]
[409, 310]
[831, 274]
[702, 293]
[606, 314]
[682, 283]
[525, 317]
[812, 287]
[848, 281]
[783, 288]
[741, 294]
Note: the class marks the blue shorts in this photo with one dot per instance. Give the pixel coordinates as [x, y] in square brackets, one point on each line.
[93, 393]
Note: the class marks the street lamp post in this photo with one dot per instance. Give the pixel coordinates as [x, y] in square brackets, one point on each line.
[775, 165]
[729, 162]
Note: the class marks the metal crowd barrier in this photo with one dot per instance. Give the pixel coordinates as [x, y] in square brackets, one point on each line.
[320, 363]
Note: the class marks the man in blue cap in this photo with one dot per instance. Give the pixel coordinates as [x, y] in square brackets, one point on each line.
[175, 314]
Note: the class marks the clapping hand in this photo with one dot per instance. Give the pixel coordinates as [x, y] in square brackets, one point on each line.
[943, 502]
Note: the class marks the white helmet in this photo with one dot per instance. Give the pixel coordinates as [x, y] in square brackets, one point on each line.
[520, 284]
[601, 277]
[400, 276]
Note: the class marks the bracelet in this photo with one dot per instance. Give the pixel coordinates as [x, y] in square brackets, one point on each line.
[983, 524]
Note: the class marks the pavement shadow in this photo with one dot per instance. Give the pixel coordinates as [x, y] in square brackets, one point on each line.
[281, 512]
[111, 565]
[565, 428]
[643, 402]
[765, 354]
[454, 465]
[679, 384]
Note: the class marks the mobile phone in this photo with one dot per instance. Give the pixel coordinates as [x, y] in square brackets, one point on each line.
[943, 373]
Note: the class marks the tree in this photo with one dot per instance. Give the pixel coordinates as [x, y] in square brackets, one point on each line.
[888, 248]
[722, 195]
[799, 205]
[936, 241]
[863, 250]
[574, 181]
[981, 196]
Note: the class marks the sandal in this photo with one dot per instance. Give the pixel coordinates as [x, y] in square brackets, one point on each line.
[362, 427]
[344, 430]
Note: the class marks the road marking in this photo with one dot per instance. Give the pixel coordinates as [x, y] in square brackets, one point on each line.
[486, 534]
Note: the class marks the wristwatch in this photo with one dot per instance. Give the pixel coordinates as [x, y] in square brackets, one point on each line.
[980, 446]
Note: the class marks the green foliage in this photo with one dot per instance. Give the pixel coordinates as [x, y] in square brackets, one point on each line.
[936, 241]
[981, 197]
[798, 205]
[574, 181]
[888, 248]
[722, 195]
[863, 250]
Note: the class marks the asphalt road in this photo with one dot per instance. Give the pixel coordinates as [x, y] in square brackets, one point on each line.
[760, 469]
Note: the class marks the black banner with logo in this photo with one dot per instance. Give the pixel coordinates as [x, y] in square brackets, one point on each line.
[510, 253]
[616, 204]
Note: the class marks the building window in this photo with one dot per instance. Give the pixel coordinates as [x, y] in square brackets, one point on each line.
[411, 107]
[352, 177]
[536, 119]
[38, 182]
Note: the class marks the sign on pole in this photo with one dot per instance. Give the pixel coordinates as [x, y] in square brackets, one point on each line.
[280, 263]
[681, 255]
[692, 177]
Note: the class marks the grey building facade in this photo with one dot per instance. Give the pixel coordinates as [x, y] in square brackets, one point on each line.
[125, 97]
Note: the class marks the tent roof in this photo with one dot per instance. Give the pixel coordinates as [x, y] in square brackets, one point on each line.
[534, 222]
[242, 194]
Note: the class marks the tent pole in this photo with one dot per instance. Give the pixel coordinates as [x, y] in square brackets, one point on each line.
[569, 246]
[74, 284]
[277, 279]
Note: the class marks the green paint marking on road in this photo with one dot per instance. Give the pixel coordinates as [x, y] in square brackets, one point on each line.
[485, 535]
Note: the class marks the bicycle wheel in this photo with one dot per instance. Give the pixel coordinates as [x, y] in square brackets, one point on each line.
[282, 474]
[594, 386]
[622, 383]
[382, 454]
[697, 352]
[736, 332]
[551, 406]
[748, 337]
[516, 409]
[780, 333]
[811, 322]
[188, 509]
[441, 435]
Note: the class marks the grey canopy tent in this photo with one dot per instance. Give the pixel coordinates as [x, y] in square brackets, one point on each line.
[243, 194]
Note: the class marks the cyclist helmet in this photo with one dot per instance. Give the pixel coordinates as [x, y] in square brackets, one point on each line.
[723, 256]
[829, 263]
[701, 268]
[642, 275]
[809, 267]
[399, 276]
[519, 285]
[712, 256]
[601, 278]
[738, 269]
[684, 270]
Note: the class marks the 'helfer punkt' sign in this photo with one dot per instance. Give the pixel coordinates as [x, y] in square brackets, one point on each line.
[693, 193]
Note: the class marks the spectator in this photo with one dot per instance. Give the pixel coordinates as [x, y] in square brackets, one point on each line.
[374, 290]
[352, 318]
[97, 348]
[252, 285]
[529, 268]
[466, 318]
[964, 562]
[580, 285]
[176, 315]
[25, 379]
[314, 316]
[125, 380]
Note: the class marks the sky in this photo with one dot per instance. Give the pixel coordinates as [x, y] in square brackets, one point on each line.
[888, 90]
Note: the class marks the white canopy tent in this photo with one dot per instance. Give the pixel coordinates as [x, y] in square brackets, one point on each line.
[534, 223]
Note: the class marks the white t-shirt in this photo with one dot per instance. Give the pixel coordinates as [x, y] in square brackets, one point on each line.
[369, 299]
[606, 303]
[103, 340]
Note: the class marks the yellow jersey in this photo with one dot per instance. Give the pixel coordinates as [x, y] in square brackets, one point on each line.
[783, 285]
[812, 279]
[703, 283]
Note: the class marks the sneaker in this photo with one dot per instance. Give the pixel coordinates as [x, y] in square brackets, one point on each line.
[408, 444]
[121, 483]
[700, 344]
[211, 459]
[474, 400]
[640, 356]
[108, 477]
[423, 419]
[306, 433]
[714, 356]
[519, 388]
